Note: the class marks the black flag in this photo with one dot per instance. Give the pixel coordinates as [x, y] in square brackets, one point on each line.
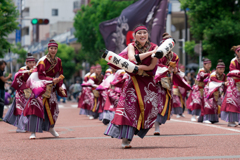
[118, 32]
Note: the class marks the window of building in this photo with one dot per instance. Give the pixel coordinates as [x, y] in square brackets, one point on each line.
[76, 5]
[54, 12]
[83, 2]
[25, 31]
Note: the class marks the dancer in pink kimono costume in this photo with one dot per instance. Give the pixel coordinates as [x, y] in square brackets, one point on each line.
[230, 109]
[166, 75]
[138, 104]
[195, 101]
[22, 93]
[103, 89]
[94, 81]
[213, 92]
[86, 98]
[108, 72]
[113, 95]
[41, 111]
[179, 94]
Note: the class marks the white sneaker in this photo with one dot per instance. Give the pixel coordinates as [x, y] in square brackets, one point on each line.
[126, 144]
[20, 130]
[53, 132]
[232, 124]
[91, 117]
[178, 116]
[33, 136]
[193, 119]
[182, 115]
[207, 122]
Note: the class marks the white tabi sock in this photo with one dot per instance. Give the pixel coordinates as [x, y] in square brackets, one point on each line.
[53, 132]
[125, 142]
[157, 129]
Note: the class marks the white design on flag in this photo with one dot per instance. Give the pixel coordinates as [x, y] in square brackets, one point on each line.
[150, 15]
[119, 37]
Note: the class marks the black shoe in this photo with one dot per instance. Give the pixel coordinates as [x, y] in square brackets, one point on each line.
[105, 121]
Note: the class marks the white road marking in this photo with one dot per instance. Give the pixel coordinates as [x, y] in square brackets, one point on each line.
[74, 106]
[68, 106]
[209, 125]
[61, 106]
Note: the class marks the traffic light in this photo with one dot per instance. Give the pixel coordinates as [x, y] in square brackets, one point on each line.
[39, 21]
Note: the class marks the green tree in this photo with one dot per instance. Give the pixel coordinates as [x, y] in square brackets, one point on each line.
[189, 47]
[8, 23]
[216, 23]
[86, 23]
[67, 55]
[21, 52]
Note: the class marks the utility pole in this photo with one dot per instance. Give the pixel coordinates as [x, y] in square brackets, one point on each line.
[183, 51]
[186, 34]
[21, 20]
[200, 55]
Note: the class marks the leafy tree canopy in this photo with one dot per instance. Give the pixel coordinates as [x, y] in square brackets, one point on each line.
[21, 52]
[8, 23]
[86, 23]
[216, 23]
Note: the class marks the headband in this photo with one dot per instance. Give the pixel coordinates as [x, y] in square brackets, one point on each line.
[238, 49]
[220, 66]
[52, 45]
[98, 66]
[30, 59]
[140, 28]
[206, 61]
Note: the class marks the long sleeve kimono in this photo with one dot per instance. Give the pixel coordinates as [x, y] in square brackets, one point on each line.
[103, 89]
[212, 99]
[95, 81]
[21, 97]
[231, 104]
[196, 99]
[42, 104]
[85, 101]
[113, 94]
[138, 104]
[164, 87]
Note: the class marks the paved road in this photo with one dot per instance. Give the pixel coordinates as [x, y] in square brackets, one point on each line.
[81, 138]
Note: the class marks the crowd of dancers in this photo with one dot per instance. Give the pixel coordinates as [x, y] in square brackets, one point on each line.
[128, 103]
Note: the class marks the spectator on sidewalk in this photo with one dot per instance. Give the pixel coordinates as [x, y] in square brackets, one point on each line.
[70, 90]
[2, 83]
[8, 98]
[76, 90]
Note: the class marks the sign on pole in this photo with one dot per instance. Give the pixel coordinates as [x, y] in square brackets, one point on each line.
[18, 34]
